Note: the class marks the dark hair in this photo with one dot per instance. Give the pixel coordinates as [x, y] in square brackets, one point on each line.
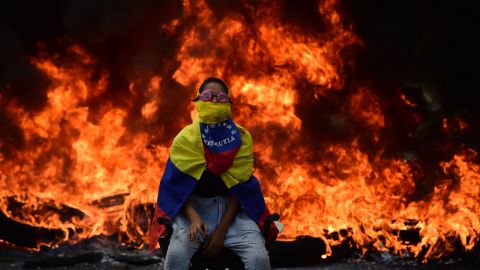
[213, 79]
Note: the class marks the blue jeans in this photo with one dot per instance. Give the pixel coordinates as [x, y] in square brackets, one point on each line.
[243, 236]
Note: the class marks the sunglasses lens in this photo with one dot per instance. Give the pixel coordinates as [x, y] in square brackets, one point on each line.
[206, 95]
[222, 97]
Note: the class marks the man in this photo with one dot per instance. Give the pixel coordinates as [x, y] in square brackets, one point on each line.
[208, 189]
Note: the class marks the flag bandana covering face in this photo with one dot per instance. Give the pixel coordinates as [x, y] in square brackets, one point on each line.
[213, 112]
[221, 143]
[225, 149]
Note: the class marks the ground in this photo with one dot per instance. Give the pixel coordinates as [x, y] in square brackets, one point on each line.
[109, 263]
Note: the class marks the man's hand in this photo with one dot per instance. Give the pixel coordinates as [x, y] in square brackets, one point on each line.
[214, 243]
[197, 229]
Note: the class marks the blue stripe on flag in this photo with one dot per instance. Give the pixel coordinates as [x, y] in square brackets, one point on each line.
[221, 137]
[249, 196]
[175, 188]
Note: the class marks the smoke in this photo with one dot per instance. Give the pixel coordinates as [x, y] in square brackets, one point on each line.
[424, 44]
[425, 50]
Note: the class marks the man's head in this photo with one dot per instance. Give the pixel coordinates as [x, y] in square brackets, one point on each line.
[213, 90]
[213, 101]
[214, 83]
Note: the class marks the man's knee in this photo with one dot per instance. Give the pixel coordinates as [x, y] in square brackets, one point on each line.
[257, 259]
[178, 256]
[175, 259]
[260, 261]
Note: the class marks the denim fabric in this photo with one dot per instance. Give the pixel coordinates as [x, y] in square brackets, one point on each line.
[243, 236]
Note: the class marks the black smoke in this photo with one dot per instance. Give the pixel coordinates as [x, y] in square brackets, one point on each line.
[428, 50]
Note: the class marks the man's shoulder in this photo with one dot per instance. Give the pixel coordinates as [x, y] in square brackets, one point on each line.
[188, 132]
[246, 136]
[242, 130]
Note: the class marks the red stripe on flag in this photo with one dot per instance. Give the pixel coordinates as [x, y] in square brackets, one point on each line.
[272, 230]
[157, 230]
[219, 163]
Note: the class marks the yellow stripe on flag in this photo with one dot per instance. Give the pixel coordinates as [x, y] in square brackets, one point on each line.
[188, 156]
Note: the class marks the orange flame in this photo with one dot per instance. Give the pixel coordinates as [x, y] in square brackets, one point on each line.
[87, 159]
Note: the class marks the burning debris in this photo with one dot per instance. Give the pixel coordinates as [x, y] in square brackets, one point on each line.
[346, 151]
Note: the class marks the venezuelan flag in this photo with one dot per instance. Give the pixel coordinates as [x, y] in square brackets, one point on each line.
[226, 149]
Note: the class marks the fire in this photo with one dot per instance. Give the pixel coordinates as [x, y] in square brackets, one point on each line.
[365, 107]
[74, 159]
[454, 125]
[87, 162]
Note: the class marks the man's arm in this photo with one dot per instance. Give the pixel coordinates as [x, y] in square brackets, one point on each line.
[215, 241]
[197, 226]
[229, 215]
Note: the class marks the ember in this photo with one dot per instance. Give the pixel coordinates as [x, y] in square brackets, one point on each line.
[349, 156]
